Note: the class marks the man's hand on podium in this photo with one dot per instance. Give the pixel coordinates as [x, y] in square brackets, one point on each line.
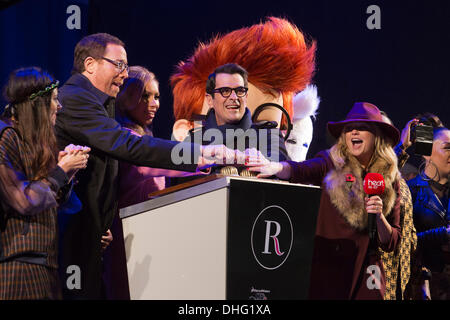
[219, 155]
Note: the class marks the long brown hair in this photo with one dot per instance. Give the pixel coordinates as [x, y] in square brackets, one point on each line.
[31, 118]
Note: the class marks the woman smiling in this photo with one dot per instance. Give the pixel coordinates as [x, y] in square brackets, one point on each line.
[346, 263]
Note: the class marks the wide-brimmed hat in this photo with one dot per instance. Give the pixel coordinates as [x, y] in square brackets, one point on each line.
[365, 112]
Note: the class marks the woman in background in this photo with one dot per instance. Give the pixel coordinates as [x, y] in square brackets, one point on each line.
[429, 191]
[430, 195]
[136, 107]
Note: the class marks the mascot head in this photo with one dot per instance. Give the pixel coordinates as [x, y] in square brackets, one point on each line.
[275, 54]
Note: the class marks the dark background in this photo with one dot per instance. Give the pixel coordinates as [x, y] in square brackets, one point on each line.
[402, 68]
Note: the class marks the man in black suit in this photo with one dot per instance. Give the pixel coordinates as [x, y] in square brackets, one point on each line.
[229, 121]
[87, 118]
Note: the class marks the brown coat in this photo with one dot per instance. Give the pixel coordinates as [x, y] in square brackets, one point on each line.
[341, 255]
[28, 237]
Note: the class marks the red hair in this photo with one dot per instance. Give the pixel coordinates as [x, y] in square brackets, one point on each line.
[274, 53]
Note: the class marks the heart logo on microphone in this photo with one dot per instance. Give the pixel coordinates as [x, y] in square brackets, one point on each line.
[375, 184]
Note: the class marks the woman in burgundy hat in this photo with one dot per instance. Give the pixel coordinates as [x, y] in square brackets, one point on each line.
[346, 263]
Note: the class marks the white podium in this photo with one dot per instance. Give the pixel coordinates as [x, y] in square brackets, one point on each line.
[223, 238]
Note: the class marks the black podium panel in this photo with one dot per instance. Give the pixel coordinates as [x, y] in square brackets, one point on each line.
[270, 240]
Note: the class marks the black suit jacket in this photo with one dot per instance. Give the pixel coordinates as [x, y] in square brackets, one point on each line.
[87, 118]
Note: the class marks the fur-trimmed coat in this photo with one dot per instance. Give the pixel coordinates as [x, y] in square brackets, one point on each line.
[342, 259]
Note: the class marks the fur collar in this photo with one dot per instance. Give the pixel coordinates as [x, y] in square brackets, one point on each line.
[350, 200]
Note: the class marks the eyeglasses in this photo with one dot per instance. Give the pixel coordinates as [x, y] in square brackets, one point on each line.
[119, 65]
[226, 92]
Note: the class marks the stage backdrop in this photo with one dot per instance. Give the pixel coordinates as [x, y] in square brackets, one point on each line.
[403, 67]
[398, 59]
[41, 33]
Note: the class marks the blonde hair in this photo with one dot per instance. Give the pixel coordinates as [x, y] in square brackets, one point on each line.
[383, 154]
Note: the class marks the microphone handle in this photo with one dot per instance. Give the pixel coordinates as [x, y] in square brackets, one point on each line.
[372, 226]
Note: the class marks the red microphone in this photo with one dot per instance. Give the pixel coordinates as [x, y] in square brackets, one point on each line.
[373, 185]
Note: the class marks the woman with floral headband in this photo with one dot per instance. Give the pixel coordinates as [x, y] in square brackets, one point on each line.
[34, 178]
[346, 262]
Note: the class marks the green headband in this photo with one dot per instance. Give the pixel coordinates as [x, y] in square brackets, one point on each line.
[45, 91]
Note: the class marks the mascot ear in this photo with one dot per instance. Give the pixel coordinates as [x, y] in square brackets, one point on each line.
[181, 128]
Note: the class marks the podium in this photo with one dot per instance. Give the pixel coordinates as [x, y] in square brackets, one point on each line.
[222, 238]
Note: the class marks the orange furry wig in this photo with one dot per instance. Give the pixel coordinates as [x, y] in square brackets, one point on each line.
[274, 53]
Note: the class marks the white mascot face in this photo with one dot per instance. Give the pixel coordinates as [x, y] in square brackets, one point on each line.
[299, 140]
[305, 105]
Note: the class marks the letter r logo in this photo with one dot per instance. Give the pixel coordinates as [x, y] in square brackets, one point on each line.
[272, 227]
[276, 242]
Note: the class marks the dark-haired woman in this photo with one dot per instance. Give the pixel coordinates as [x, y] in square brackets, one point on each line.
[136, 107]
[34, 177]
[430, 195]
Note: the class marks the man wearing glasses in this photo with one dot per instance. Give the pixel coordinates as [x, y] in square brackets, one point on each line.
[229, 122]
[87, 118]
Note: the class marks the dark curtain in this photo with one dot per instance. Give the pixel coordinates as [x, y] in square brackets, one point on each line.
[402, 68]
[36, 33]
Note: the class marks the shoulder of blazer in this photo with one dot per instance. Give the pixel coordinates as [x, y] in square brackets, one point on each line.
[72, 96]
[3, 126]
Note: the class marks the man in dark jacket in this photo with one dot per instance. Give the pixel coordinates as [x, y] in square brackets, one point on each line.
[87, 118]
[229, 120]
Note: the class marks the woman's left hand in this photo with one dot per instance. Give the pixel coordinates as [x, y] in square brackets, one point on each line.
[374, 204]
